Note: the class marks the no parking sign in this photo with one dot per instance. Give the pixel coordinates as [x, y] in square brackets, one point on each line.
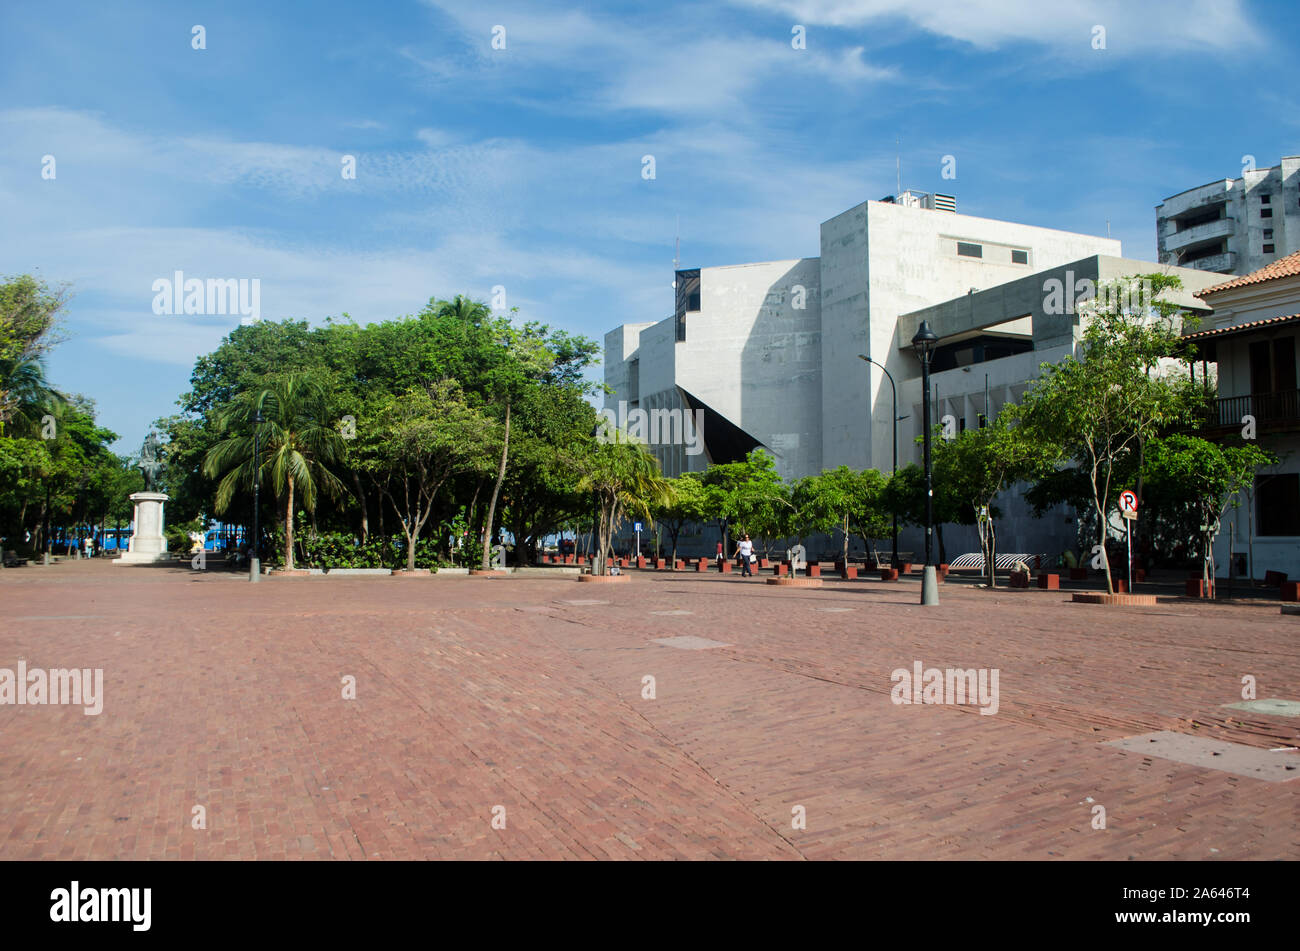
[1128, 503]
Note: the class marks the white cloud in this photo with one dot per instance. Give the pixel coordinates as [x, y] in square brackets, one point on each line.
[1132, 27]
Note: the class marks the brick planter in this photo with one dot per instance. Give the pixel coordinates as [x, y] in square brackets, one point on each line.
[764, 563]
[1196, 588]
[1049, 582]
[702, 565]
[724, 567]
[660, 564]
[942, 572]
[888, 574]
[679, 565]
[605, 579]
[1019, 579]
[489, 572]
[781, 569]
[849, 572]
[415, 573]
[1291, 590]
[1078, 574]
[640, 561]
[1274, 579]
[1114, 600]
[906, 568]
[814, 570]
[796, 582]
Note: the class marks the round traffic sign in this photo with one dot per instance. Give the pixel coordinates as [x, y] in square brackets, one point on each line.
[1128, 501]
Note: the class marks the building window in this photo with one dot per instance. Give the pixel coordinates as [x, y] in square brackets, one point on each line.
[1268, 249]
[968, 250]
[1265, 199]
[1266, 213]
[1268, 234]
[1277, 501]
[1019, 257]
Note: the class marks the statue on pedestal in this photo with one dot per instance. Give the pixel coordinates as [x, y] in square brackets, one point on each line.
[150, 462]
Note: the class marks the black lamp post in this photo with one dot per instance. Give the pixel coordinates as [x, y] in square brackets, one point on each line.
[923, 344]
[893, 563]
[254, 562]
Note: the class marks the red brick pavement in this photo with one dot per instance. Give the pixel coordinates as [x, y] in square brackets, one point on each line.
[481, 692]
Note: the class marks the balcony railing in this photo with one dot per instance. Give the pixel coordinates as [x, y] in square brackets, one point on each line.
[1272, 410]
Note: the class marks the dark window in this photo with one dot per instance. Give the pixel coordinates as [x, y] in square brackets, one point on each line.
[984, 420]
[1266, 213]
[1268, 233]
[1277, 501]
[961, 425]
[1268, 249]
[1019, 257]
[968, 250]
[1284, 364]
[1265, 199]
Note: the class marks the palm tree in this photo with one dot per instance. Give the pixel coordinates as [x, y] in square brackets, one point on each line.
[24, 394]
[298, 442]
[625, 479]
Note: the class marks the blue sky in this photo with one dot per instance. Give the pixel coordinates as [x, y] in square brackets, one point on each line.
[522, 167]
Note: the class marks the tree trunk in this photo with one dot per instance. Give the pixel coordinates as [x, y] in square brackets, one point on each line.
[288, 529]
[846, 541]
[361, 499]
[496, 491]
[992, 556]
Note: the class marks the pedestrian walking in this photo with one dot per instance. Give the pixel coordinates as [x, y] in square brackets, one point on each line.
[745, 552]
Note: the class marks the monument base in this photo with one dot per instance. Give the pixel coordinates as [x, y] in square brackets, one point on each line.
[147, 546]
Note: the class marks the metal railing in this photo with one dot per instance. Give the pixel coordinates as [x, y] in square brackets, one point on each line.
[1280, 407]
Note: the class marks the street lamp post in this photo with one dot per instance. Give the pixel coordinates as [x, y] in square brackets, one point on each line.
[893, 563]
[923, 344]
[254, 562]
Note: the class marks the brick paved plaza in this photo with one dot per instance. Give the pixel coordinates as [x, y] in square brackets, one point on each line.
[526, 693]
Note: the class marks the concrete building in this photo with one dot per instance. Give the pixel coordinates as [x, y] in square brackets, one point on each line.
[991, 346]
[768, 352]
[1252, 341]
[1233, 226]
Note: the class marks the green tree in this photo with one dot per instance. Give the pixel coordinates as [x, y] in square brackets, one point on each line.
[422, 438]
[978, 464]
[1100, 407]
[298, 444]
[1204, 479]
[685, 506]
[622, 477]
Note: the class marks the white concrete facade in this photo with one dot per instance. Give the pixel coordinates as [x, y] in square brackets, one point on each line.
[1234, 225]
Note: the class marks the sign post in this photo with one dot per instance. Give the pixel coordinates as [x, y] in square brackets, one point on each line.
[637, 554]
[1128, 507]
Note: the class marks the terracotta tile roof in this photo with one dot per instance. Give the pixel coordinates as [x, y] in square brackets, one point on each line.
[1234, 328]
[1288, 266]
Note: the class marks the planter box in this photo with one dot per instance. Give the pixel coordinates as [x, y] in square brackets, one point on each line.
[1139, 575]
[781, 569]
[814, 570]
[1274, 579]
[850, 572]
[660, 564]
[605, 579]
[796, 582]
[1049, 582]
[888, 574]
[1291, 590]
[1078, 574]
[906, 568]
[941, 572]
[764, 563]
[1196, 588]
[724, 567]
[678, 565]
[1115, 600]
[1020, 579]
[702, 565]
[1120, 585]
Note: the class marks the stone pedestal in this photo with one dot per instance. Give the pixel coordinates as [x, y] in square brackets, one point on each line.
[147, 544]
